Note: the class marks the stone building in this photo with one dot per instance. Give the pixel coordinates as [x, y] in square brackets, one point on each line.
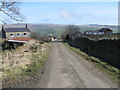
[10, 33]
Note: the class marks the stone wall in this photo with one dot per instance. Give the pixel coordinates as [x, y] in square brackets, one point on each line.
[106, 50]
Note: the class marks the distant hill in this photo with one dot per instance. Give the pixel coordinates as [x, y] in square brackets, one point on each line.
[57, 29]
[48, 29]
[98, 27]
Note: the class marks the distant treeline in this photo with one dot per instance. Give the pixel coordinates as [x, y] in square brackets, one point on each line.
[106, 50]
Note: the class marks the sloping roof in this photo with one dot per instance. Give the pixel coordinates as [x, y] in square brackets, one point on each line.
[17, 41]
[16, 29]
[105, 29]
[20, 39]
[92, 31]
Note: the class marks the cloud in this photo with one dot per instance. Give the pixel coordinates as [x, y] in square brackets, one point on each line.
[89, 16]
[66, 14]
[80, 13]
[73, 15]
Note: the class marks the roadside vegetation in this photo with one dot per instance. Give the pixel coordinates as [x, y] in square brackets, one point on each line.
[103, 53]
[109, 70]
[0, 40]
[23, 63]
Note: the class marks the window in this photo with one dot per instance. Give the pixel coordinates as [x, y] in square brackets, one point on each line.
[25, 34]
[11, 35]
[87, 32]
[100, 33]
[18, 34]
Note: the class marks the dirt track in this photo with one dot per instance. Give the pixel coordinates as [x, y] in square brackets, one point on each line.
[66, 69]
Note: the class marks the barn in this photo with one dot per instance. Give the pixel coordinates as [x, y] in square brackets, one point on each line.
[93, 32]
[107, 31]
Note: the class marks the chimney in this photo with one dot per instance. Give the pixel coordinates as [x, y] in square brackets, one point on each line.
[2, 27]
[26, 26]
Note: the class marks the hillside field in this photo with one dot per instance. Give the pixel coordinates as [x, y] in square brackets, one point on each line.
[57, 29]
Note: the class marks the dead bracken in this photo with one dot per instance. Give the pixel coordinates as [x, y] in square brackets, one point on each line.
[17, 63]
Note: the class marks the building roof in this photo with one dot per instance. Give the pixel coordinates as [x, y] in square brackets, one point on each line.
[20, 39]
[16, 29]
[92, 31]
[17, 41]
[105, 29]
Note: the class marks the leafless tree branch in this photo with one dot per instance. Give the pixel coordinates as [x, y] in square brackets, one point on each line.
[3, 21]
[70, 30]
[11, 9]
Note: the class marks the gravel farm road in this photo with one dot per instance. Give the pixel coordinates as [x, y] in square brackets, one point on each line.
[67, 69]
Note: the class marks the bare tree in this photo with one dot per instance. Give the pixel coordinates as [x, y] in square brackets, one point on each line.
[10, 8]
[36, 36]
[70, 30]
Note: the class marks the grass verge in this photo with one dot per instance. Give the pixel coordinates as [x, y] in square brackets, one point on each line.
[38, 62]
[28, 71]
[109, 70]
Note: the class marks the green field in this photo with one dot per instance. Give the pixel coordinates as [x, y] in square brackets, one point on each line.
[57, 29]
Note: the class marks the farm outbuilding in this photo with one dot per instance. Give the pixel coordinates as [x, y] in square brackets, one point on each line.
[17, 42]
[95, 32]
[107, 31]
[102, 31]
